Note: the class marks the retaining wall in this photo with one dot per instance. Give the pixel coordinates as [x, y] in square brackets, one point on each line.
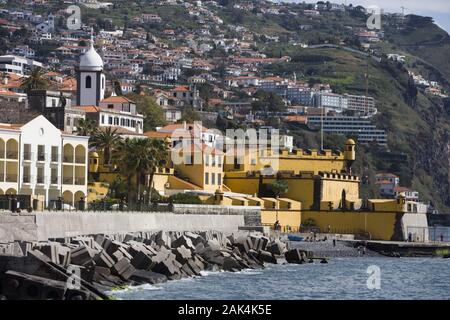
[45, 225]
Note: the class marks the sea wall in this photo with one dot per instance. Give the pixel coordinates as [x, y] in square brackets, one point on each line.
[252, 215]
[47, 225]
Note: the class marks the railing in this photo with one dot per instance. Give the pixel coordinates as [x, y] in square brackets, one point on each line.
[12, 155]
[11, 178]
[80, 159]
[40, 180]
[80, 181]
[55, 157]
[54, 180]
[68, 159]
[67, 180]
[41, 156]
[26, 179]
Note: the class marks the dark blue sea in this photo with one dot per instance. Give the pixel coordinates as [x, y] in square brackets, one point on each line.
[363, 278]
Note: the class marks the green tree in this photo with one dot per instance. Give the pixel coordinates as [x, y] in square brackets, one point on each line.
[86, 127]
[279, 187]
[154, 113]
[106, 140]
[190, 115]
[36, 80]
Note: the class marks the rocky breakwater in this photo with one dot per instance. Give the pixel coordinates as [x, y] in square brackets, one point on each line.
[87, 267]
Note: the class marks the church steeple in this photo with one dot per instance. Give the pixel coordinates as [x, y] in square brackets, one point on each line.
[90, 78]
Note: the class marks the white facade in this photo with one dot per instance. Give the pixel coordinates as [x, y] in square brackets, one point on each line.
[38, 159]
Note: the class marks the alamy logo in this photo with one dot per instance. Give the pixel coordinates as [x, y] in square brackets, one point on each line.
[374, 21]
[74, 21]
[374, 279]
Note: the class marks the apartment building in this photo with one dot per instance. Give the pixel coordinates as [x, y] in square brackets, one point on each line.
[363, 129]
[37, 159]
[17, 65]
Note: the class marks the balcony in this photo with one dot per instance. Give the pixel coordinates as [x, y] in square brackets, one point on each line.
[54, 180]
[11, 178]
[80, 181]
[55, 157]
[68, 158]
[41, 157]
[80, 159]
[14, 155]
[68, 180]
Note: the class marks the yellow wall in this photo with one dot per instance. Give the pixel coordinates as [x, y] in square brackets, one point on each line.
[286, 218]
[380, 225]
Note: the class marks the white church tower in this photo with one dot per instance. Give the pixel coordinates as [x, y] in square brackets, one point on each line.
[91, 81]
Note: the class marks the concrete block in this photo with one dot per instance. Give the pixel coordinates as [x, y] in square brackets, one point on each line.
[142, 261]
[183, 241]
[123, 268]
[182, 254]
[143, 277]
[103, 259]
[81, 256]
[163, 239]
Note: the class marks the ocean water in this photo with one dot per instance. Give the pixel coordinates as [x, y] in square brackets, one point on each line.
[341, 278]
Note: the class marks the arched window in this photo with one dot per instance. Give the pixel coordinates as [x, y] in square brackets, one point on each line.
[88, 82]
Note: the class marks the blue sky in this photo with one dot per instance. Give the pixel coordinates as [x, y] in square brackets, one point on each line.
[438, 9]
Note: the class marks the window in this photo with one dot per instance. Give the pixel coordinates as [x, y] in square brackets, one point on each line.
[110, 120]
[219, 179]
[213, 178]
[103, 119]
[122, 121]
[88, 82]
[41, 153]
[27, 152]
[110, 106]
[213, 161]
[207, 160]
[68, 121]
[206, 178]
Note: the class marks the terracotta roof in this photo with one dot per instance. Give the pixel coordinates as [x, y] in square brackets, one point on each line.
[116, 99]
[88, 109]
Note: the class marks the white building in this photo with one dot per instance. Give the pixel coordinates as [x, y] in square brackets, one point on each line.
[37, 159]
[17, 65]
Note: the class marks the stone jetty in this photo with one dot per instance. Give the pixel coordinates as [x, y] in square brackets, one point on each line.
[85, 267]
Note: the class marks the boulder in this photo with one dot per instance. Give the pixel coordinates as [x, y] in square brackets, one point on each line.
[103, 259]
[183, 241]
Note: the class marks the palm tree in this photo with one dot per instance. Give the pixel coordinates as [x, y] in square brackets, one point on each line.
[159, 156]
[35, 81]
[140, 159]
[86, 127]
[126, 163]
[106, 140]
